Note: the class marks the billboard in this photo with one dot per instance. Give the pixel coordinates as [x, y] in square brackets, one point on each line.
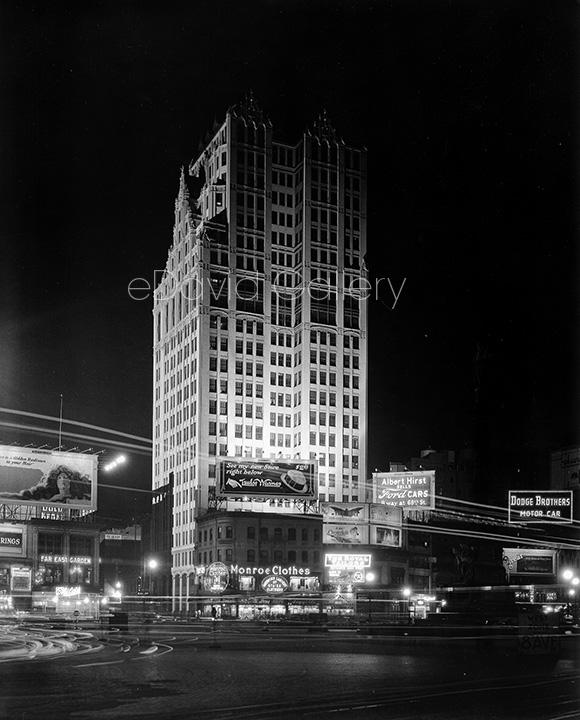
[30, 476]
[405, 489]
[20, 579]
[267, 478]
[11, 540]
[347, 512]
[385, 536]
[386, 515]
[345, 534]
[540, 506]
[529, 561]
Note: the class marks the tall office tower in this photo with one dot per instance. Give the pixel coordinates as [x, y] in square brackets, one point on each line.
[260, 332]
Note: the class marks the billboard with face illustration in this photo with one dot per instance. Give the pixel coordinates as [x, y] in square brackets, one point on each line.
[30, 476]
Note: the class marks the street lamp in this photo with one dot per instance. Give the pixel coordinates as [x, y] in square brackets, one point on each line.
[119, 460]
[370, 577]
[407, 594]
[567, 574]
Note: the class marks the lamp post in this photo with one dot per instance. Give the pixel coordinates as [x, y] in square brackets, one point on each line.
[370, 578]
[152, 565]
[572, 583]
[407, 595]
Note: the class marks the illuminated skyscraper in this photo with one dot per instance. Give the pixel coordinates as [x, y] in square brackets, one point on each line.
[260, 335]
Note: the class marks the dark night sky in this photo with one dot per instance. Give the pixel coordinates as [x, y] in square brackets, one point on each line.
[467, 110]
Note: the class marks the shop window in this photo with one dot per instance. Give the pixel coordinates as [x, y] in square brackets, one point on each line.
[50, 544]
[81, 545]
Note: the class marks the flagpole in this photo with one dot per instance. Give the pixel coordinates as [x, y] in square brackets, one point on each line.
[60, 425]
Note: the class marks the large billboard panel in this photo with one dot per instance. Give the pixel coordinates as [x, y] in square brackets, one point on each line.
[385, 536]
[405, 489]
[343, 534]
[270, 478]
[386, 515]
[347, 512]
[529, 561]
[30, 476]
[540, 506]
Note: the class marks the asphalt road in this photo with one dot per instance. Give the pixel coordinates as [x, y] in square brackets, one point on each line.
[189, 671]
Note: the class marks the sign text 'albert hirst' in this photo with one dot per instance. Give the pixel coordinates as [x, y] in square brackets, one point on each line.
[405, 489]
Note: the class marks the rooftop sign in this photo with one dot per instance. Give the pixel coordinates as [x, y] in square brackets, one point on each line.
[405, 489]
[540, 506]
[271, 478]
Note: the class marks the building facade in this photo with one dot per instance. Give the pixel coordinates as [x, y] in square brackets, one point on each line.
[272, 563]
[52, 567]
[260, 319]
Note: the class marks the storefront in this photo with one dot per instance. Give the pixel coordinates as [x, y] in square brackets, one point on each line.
[67, 601]
[255, 593]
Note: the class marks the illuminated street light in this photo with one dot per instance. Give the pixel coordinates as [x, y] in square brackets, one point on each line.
[118, 585]
[152, 564]
[370, 577]
[119, 460]
[575, 581]
[407, 592]
[571, 593]
[567, 574]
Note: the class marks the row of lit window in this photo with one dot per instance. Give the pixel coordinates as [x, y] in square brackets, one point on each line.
[282, 198]
[330, 461]
[281, 238]
[323, 440]
[264, 556]
[346, 480]
[278, 535]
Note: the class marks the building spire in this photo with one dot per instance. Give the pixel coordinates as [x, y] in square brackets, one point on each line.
[182, 199]
[323, 128]
[250, 110]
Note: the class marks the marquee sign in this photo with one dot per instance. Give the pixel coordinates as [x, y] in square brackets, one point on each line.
[216, 578]
[73, 559]
[271, 478]
[11, 540]
[543, 506]
[274, 584]
[411, 490]
[344, 561]
[273, 570]
[67, 590]
[20, 579]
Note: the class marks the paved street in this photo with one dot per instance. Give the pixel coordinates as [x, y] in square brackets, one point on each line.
[181, 670]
